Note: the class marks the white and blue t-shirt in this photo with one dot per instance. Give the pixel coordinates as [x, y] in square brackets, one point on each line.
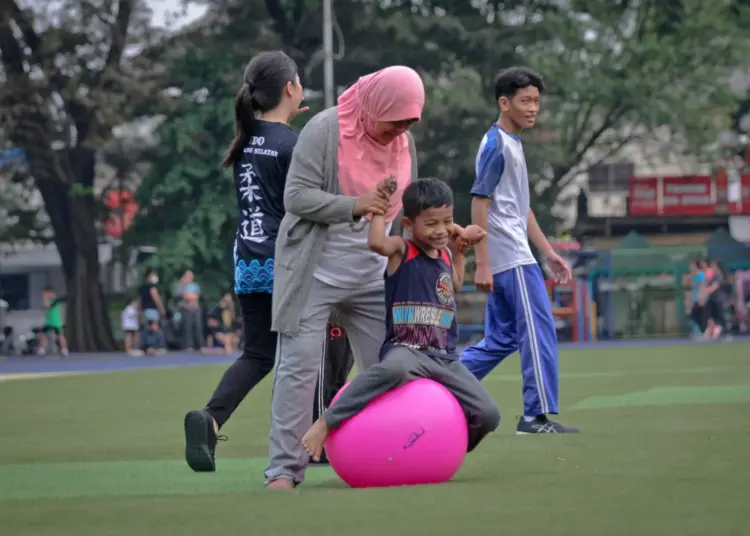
[259, 178]
[503, 178]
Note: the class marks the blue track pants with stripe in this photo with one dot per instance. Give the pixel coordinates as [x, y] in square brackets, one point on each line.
[519, 317]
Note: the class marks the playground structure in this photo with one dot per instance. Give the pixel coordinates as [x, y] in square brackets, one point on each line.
[574, 302]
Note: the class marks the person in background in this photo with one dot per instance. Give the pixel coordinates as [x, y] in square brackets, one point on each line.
[715, 296]
[186, 282]
[219, 337]
[741, 290]
[130, 325]
[695, 279]
[150, 304]
[53, 324]
[8, 345]
[229, 318]
[190, 311]
[152, 339]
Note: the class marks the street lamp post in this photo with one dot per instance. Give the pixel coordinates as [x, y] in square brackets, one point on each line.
[328, 84]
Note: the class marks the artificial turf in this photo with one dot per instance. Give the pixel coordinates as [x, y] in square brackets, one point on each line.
[665, 449]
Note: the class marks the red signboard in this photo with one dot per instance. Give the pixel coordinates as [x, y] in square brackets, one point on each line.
[644, 196]
[692, 195]
[689, 196]
[672, 196]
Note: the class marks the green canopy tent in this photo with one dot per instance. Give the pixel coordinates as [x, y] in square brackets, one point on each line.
[727, 251]
[633, 268]
[632, 256]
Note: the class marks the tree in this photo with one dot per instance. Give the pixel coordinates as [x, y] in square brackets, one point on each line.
[188, 205]
[447, 137]
[67, 82]
[741, 116]
[649, 72]
[188, 202]
[20, 216]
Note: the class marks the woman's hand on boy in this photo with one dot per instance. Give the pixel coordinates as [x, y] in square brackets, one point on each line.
[374, 203]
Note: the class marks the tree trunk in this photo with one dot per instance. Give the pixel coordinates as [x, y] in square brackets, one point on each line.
[72, 212]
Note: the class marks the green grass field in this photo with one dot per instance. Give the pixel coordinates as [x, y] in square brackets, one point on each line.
[665, 449]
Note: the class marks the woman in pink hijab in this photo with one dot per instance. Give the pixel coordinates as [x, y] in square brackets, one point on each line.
[322, 259]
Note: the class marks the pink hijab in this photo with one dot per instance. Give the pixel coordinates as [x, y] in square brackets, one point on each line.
[391, 94]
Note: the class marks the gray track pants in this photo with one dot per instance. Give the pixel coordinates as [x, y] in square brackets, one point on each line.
[298, 361]
[404, 364]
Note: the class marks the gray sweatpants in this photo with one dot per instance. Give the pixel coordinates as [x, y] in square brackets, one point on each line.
[298, 360]
[192, 328]
[402, 364]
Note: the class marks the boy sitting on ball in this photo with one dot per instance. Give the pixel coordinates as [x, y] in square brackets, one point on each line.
[421, 330]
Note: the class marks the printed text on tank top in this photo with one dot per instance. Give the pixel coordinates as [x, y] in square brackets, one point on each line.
[420, 304]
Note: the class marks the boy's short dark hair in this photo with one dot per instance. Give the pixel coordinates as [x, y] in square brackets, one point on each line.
[509, 81]
[424, 194]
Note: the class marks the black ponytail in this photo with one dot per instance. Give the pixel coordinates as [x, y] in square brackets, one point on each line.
[244, 116]
[261, 91]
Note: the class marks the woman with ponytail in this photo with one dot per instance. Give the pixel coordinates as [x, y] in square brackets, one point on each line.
[260, 153]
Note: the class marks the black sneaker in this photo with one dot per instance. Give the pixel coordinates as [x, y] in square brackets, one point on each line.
[542, 425]
[200, 441]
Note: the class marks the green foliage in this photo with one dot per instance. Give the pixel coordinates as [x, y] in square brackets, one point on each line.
[188, 204]
[649, 73]
[21, 217]
[70, 75]
[618, 73]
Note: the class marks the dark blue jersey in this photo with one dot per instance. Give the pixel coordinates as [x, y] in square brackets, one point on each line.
[259, 178]
[420, 305]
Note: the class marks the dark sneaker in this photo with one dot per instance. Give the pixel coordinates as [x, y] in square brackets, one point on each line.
[200, 441]
[542, 425]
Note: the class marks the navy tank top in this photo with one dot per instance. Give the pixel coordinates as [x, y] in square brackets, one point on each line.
[420, 305]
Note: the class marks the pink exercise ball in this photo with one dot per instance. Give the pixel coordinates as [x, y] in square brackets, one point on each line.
[415, 434]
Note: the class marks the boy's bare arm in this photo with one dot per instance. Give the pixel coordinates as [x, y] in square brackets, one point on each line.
[457, 257]
[380, 242]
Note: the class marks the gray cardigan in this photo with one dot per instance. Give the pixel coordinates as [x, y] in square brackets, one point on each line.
[313, 201]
